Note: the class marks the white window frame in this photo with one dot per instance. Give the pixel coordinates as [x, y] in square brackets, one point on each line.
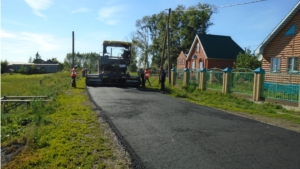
[275, 65]
[198, 47]
[182, 61]
[201, 64]
[292, 64]
[193, 65]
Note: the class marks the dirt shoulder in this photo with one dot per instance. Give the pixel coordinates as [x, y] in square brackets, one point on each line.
[275, 122]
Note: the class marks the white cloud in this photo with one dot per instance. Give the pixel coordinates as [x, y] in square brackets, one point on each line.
[5, 34]
[81, 10]
[111, 15]
[38, 5]
[19, 46]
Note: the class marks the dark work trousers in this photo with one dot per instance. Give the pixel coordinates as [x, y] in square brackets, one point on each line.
[73, 81]
[162, 86]
[143, 81]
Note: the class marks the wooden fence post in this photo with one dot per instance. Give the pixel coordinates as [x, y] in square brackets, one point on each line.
[202, 80]
[186, 76]
[226, 80]
[173, 76]
[299, 97]
[258, 86]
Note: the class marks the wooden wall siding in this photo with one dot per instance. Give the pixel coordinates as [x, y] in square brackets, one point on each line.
[283, 46]
[282, 78]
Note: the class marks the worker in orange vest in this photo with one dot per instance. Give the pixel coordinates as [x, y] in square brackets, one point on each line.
[147, 76]
[73, 75]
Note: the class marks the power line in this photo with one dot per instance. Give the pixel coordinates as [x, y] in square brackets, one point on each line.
[245, 3]
[225, 6]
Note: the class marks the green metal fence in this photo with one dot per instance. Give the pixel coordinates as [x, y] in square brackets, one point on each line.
[179, 77]
[282, 86]
[194, 78]
[242, 81]
[214, 79]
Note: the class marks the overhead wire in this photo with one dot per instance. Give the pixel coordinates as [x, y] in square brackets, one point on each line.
[245, 3]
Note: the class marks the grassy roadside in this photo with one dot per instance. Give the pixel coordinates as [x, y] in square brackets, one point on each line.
[265, 112]
[65, 133]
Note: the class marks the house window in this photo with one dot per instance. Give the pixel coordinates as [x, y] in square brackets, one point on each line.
[198, 47]
[291, 30]
[292, 66]
[193, 65]
[275, 65]
[182, 61]
[201, 64]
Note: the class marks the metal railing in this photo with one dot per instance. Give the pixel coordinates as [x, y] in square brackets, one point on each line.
[179, 77]
[282, 86]
[214, 79]
[242, 81]
[194, 77]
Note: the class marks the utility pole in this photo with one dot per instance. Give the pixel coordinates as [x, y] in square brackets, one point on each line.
[169, 64]
[73, 54]
[163, 52]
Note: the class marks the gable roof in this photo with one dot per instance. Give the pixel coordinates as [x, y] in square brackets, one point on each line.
[217, 46]
[278, 28]
[182, 53]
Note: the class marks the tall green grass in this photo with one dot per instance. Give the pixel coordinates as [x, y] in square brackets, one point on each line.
[64, 133]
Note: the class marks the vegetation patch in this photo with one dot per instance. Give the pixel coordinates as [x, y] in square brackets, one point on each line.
[64, 133]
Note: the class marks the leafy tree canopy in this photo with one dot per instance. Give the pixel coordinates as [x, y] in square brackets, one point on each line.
[184, 24]
[247, 60]
[3, 65]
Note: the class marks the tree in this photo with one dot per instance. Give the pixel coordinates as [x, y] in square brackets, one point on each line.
[247, 60]
[184, 24]
[30, 60]
[3, 65]
[37, 58]
[134, 51]
[54, 60]
[88, 60]
[23, 70]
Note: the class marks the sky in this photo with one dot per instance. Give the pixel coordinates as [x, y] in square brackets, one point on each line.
[46, 26]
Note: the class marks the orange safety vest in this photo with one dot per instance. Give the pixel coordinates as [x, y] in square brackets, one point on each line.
[73, 73]
[147, 74]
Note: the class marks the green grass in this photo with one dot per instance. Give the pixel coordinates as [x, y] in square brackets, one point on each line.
[230, 102]
[65, 133]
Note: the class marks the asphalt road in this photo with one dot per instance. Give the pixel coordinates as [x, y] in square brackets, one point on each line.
[165, 132]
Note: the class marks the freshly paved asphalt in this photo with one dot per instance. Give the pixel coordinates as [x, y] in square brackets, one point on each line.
[164, 132]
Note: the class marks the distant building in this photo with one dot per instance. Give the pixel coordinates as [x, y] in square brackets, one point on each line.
[181, 60]
[42, 68]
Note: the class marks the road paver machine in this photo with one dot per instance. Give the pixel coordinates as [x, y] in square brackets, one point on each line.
[112, 70]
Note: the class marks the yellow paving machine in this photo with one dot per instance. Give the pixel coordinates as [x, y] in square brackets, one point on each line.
[112, 70]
